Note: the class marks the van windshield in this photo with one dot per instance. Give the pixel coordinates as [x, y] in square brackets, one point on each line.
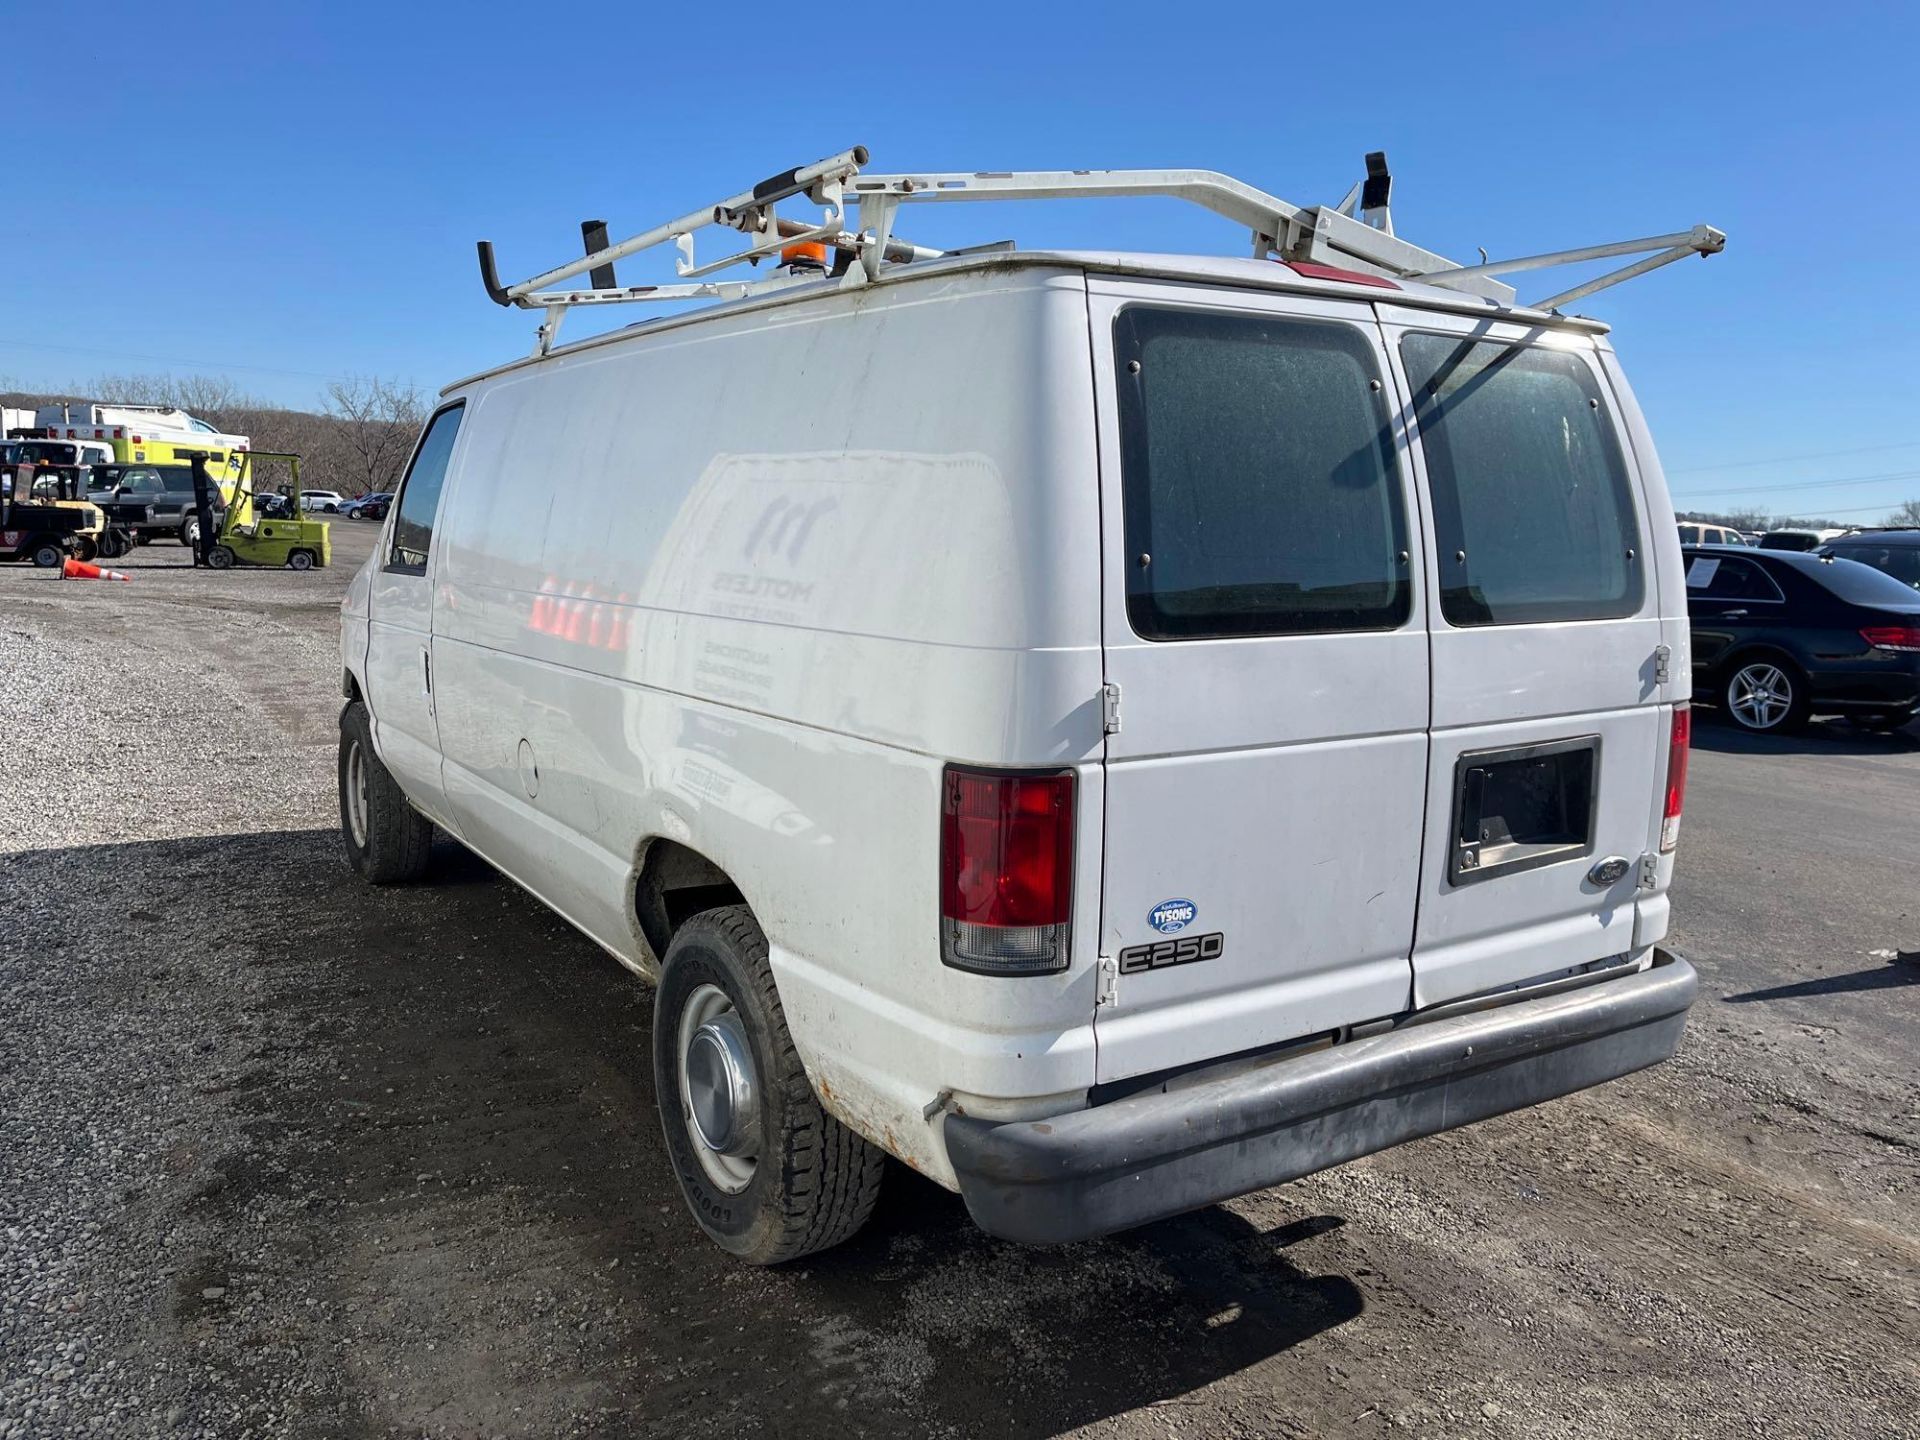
[1261, 494]
[1531, 501]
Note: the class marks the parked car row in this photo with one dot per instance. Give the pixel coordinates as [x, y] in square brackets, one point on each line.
[1780, 635]
[1698, 532]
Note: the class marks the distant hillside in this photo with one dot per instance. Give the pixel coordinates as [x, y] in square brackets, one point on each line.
[357, 443]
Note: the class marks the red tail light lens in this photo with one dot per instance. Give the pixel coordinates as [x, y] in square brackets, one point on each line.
[1678, 746]
[1892, 637]
[1006, 871]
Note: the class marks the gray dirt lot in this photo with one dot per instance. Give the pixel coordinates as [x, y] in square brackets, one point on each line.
[283, 1155]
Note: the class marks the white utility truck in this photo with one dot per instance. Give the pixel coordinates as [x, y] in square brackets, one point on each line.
[1114, 731]
[135, 425]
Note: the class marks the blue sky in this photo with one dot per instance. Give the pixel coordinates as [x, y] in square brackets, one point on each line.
[286, 193]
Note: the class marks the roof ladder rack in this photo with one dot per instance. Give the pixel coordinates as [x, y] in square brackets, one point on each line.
[1323, 234]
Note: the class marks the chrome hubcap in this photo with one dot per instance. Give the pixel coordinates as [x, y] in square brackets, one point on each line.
[1760, 696]
[719, 1091]
[357, 795]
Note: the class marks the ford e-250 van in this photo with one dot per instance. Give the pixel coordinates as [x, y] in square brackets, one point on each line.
[1111, 731]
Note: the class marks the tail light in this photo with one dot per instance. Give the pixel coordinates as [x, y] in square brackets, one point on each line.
[1892, 637]
[1677, 746]
[1006, 871]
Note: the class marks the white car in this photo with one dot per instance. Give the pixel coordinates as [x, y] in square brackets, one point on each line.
[329, 501]
[1112, 731]
[1697, 533]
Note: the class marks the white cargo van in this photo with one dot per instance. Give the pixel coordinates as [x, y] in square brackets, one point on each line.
[1111, 731]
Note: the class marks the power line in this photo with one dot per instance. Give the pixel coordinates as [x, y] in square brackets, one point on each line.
[1805, 484]
[164, 360]
[1794, 459]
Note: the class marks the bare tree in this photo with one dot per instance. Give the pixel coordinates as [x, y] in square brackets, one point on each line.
[211, 397]
[1907, 514]
[380, 418]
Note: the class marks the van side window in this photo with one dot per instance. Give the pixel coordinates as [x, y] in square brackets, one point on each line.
[1531, 502]
[1261, 491]
[420, 493]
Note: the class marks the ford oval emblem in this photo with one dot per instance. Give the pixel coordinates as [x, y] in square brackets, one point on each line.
[1171, 915]
[1613, 868]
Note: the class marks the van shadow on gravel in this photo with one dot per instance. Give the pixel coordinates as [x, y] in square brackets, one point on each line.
[452, 1212]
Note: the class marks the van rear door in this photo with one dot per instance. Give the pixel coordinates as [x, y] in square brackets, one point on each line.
[1549, 731]
[1265, 627]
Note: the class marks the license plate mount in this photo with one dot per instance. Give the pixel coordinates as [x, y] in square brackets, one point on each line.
[1523, 806]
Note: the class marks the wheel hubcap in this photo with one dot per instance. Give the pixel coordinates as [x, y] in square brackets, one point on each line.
[718, 1088]
[357, 795]
[1760, 696]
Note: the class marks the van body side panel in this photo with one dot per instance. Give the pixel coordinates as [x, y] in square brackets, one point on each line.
[1512, 693]
[748, 585]
[400, 664]
[1272, 784]
[1653, 908]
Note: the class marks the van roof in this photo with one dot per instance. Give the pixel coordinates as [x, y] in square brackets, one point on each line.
[1238, 273]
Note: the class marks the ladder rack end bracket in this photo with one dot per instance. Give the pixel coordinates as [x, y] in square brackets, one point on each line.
[490, 274]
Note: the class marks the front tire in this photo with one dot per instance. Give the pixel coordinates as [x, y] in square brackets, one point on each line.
[387, 840]
[220, 558]
[796, 1181]
[1766, 695]
[47, 554]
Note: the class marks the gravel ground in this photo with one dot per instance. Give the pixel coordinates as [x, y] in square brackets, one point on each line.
[283, 1155]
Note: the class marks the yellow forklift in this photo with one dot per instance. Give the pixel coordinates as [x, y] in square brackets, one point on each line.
[255, 527]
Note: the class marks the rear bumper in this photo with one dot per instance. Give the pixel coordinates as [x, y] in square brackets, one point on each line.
[1896, 686]
[1103, 1169]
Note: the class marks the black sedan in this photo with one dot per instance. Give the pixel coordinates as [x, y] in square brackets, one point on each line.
[1779, 636]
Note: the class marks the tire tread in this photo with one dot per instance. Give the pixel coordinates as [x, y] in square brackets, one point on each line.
[399, 838]
[831, 1175]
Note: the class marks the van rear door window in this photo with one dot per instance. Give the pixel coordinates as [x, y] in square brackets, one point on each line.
[420, 493]
[1261, 492]
[1532, 506]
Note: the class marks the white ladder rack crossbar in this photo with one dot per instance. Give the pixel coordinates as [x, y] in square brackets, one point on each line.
[1322, 234]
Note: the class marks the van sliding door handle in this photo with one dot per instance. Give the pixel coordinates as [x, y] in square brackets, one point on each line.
[426, 673]
[1733, 614]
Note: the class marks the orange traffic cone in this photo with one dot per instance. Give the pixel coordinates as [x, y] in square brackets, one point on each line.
[72, 569]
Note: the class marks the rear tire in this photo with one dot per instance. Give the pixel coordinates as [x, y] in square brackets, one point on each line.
[1767, 695]
[811, 1182]
[300, 560]
[47, 554]
[387, 840]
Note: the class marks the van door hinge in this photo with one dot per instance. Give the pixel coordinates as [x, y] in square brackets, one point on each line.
[1110, 708]
[1662, 664]
[1107, 989]
[1649, 871]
